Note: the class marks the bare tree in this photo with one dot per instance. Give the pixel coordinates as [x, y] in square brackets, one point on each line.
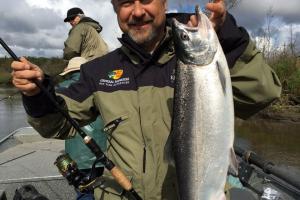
[267, 35]
[292, 41]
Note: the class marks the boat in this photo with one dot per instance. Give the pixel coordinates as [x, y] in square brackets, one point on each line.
[264, 179]
[28, 159]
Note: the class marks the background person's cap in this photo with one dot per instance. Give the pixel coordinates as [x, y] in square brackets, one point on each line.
[73, 12]
[73, 65]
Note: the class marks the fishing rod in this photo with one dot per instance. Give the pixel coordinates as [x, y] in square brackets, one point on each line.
[89, 141]
[268, 168]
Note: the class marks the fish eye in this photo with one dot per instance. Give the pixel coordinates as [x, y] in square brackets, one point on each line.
[184, 36]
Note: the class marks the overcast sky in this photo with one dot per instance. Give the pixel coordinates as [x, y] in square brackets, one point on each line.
[36, 27]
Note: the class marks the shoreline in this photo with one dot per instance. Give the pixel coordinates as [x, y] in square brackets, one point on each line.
[287, 114]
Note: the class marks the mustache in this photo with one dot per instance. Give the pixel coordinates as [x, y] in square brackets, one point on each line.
[135, 21]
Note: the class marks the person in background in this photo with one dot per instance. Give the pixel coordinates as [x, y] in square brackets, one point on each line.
[132, 89]
[83, 43]
[75, 146]
[84, 39]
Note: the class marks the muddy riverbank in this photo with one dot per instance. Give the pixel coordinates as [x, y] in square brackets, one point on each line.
[284, 114]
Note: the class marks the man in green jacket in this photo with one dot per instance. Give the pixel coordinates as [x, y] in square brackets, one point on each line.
[84, 39]
[132, 89]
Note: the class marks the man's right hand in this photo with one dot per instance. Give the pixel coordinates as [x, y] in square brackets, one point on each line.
[217, 16]
[22, 75]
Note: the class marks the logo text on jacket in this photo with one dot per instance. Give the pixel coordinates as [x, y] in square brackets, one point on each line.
[115, 79]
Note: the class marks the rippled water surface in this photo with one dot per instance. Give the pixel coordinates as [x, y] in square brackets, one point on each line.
[277, 142]
[12, 114]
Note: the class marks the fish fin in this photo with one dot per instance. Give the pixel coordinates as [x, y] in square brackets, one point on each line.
[222, 77]
[234, 164]
[168, 151]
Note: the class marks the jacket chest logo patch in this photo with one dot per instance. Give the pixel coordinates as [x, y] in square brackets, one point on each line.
[116, 74]
[114, 79]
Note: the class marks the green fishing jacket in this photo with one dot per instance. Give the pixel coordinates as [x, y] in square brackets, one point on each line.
[132, 91]
[84, 40]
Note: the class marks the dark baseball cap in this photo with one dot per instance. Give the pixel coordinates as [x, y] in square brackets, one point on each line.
[73, 12]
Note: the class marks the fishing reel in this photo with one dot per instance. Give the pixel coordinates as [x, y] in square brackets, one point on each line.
[69, 169]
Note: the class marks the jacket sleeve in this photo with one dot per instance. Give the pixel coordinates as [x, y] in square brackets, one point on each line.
[48, 121]
[73, 43]
[103, 47]
[255, 84]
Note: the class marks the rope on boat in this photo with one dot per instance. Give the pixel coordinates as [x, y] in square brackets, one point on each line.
[32, 179]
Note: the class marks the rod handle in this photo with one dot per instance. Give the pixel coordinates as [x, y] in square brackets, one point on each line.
[121, 178]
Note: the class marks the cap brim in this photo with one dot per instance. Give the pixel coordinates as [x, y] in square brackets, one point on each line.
[69, 18]
[68, 71]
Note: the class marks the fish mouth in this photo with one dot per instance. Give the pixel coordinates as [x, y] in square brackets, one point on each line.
[203, 23]
[195, 44]
[176, 23]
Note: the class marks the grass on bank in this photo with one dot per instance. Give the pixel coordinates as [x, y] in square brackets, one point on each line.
[287, 67]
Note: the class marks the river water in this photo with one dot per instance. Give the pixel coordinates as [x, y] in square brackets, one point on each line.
[274, 141]
[277, 142]
[12, 114]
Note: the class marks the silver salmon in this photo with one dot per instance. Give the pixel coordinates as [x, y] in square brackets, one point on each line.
[203, 118]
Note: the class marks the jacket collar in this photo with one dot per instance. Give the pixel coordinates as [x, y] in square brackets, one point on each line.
[87, 20]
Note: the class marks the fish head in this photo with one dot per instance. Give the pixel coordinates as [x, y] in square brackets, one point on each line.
[195, 45]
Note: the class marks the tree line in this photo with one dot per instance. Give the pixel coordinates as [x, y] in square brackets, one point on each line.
[284, 58]
[51, 66]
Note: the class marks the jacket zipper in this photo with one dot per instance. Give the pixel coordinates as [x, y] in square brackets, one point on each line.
[113, 124]
[145, 151]
[144, 161]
